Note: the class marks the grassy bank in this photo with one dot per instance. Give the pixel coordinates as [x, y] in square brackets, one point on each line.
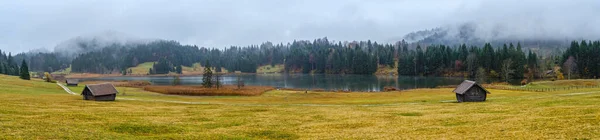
[201, 91]
[38, 110]
[267, 69]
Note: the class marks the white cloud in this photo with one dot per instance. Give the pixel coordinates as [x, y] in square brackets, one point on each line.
[30, 24]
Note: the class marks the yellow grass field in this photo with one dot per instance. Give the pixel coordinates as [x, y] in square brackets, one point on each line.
[267, 69]
[38, 110]
[141, 69]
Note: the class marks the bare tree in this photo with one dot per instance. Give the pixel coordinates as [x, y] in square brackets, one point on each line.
[506, 69]
[239, 81]
[481, 75]
[543, 68]
[471, 61]
[217, 81]
[570, 66]
[176, 80]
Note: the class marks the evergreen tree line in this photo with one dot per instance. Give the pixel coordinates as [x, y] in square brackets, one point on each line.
[323, 56]
[506, 62]
[168, 56]
[582, 59]
[9, 67]
[318, 56]
[43, 62]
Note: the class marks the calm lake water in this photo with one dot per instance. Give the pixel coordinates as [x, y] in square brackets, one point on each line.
[311, 81]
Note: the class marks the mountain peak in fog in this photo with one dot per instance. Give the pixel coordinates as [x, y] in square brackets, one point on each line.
[97, 41]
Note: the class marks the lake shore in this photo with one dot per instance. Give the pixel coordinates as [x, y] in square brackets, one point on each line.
[94, 75]
[231, 90]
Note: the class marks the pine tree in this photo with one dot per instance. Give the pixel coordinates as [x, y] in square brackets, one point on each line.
[25, 71]
[207, 76]
[2, 71]
[520, 62]
[217, 81]
[179, 69]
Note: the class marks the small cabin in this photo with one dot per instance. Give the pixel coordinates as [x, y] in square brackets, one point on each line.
[72, 82]
[470, 91]
[99, 92]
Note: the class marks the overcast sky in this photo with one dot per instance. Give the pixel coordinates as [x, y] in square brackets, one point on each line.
[29, 24]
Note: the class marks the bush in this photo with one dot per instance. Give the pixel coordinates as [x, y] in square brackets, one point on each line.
[388, 88]
[48, 77]
[524, 82]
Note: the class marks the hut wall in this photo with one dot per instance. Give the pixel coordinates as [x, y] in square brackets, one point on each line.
[475, 94]
[460, 98]
[87, 95]
[106, 97]
[71, 84]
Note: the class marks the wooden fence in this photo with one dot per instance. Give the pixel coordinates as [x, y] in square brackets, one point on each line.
[541, 89]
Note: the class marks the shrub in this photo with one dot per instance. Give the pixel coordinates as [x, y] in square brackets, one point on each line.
[388, 88]
[48, 77]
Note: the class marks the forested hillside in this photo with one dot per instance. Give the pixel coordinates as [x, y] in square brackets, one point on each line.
[8, 66]
[473, 34]
[582, 59]
[40, 61]
[506, 61]
[319, 56]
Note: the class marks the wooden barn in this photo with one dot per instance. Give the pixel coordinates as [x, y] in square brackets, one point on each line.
[99, 92]
[469, 91]
[72, 82]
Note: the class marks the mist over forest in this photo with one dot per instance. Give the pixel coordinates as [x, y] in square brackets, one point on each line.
[350, 37]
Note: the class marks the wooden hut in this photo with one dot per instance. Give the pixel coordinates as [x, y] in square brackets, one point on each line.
[72, 82]
[99, 92]
[469, 91]
[58, 77]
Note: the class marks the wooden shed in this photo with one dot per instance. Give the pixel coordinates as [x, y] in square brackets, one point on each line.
[470, 91]
[72, 82]
[99, 92]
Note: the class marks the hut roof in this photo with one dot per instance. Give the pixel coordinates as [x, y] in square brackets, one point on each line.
[466, 85]
[102, 89]
[549, 71]
[72, 81]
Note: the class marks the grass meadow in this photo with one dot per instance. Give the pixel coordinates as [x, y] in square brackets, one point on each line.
[38, 110]
[266, 69]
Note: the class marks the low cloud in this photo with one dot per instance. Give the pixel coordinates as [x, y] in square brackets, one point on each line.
[32, 24]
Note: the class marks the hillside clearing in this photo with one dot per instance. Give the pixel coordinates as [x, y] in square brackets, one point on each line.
[266, 69]
[141, 69]
[38, 110]
[63, 71]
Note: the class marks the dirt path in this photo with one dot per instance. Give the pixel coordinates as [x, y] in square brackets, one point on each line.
[66, 89]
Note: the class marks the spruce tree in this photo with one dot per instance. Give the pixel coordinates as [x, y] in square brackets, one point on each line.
[207, 76]
[25, 71]
[2, 71]
[179, 69]
[217, 81]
